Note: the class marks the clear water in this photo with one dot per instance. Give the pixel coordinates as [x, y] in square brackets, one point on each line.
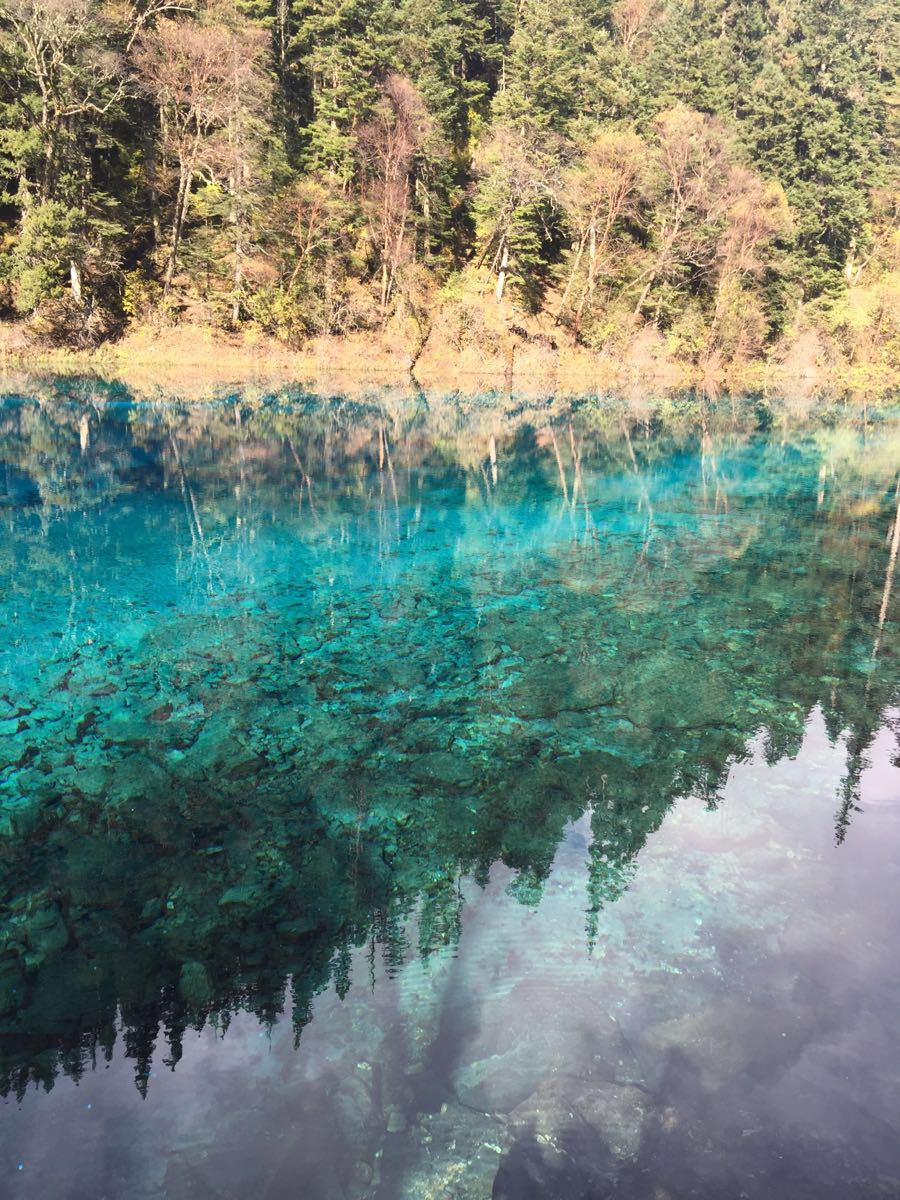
[447, 800]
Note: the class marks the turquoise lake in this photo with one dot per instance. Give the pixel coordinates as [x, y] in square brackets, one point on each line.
[414, 798]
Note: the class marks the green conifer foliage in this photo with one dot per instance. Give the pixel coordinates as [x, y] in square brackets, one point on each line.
[247, 190]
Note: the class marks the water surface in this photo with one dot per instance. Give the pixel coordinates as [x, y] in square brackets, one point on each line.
[468, 799]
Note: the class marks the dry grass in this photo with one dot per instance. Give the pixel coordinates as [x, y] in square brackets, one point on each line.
[192, 359]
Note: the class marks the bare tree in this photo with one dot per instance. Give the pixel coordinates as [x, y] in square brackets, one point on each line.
[144, 14]
[694, 169]
[757, 213]
[631, 19]
[63, 53]
[519, 167]
[315, 219]
[605, 185]
[204, 79]
[390, 144]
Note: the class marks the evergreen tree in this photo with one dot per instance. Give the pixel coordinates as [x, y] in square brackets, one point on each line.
[225, 157]
[812, 116]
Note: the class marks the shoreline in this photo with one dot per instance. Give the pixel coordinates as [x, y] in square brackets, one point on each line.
[187, 358]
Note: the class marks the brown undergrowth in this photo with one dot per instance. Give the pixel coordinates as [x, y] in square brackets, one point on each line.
[527, 356]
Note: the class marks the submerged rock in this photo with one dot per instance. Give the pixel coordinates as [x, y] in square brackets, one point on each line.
[615, 1112]
[725, 1040]
[444, 769]
[46, 933]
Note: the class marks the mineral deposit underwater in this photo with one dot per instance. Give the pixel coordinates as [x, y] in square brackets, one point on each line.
[409, 800]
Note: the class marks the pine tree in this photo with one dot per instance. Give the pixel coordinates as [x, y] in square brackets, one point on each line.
[812, 116]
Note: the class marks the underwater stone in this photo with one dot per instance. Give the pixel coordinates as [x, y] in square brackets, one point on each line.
[616, 1111]
[457, 1152]
[726, 1040]
[503, 1081]
[126, 729]
[528, 1037]
[396, 1120]
[20, 816]
[152, 910]
[92, 779]
[46, 933]
[238, 895]
[449, 770]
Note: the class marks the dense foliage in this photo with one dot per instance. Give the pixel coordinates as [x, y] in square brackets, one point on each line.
[720, 169]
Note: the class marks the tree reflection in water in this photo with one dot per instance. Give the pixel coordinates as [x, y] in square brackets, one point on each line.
[285, 679]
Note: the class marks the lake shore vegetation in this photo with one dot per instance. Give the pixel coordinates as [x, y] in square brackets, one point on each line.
[682, 192]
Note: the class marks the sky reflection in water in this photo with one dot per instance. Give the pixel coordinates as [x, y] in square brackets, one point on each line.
[466, 800]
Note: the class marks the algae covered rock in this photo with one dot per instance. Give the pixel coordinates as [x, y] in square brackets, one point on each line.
[444, 769]
[45, 933]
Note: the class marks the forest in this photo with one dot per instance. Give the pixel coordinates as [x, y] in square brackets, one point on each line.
[718, 175]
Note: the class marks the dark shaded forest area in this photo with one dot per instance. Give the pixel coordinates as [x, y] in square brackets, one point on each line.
[719, 171]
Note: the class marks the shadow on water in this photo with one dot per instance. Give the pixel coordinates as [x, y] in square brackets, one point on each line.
[297, 697]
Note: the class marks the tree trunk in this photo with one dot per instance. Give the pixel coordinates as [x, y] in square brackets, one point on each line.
[237, 217]
[282, 39]
[238, 273]
[178, 220]
[588, 293]
[48, 172]
[576, 263]
[151, 186]
[592, 261]
[501, 275]
[385, 283]
[643, 296]
[75, 280]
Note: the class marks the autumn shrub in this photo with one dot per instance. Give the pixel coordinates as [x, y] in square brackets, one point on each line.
[142, 299]
[468, 316]
[63, 322]
[865, 322]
